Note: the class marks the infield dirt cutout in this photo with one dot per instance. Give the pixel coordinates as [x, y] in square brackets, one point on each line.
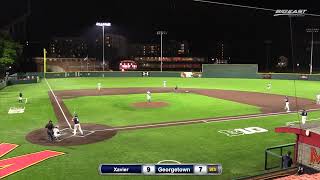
[270, 104]
[149, 104]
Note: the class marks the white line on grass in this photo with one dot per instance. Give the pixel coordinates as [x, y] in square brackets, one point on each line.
[294, 122]
[55, 97]
[70, 136]
[212, 120]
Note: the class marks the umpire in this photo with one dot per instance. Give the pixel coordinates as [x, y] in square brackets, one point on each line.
[50, 127]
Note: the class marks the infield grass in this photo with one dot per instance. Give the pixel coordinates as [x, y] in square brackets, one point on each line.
[117, 110]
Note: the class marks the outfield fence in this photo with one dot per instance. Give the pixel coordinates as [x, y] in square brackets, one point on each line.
[230, 71]
[103, 74]
[3, 83]
[250, 71]
[22, 79]
[246, 71]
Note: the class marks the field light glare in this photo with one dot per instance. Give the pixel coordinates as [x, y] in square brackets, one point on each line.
[103, 24]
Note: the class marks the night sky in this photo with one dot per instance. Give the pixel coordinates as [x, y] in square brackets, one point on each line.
[243, 30]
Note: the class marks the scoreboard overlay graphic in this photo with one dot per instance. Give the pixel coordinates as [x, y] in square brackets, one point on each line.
[160, 169]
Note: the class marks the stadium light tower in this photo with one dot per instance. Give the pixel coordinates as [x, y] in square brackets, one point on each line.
[103, 24]
[161, 33]
[311, 30]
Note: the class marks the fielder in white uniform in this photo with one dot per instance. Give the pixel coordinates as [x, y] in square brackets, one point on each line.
[20, 97]
[287, 106]
[164, 83]
[99, 86]
[269, 86]
[304, 115]
[148, 96]
[318, 99]
[76, 125]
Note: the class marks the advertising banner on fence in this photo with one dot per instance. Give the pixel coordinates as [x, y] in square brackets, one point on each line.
[304, 77]
[191, 74]
[266, 76]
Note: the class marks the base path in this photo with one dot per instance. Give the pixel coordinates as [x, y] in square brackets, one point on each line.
[270, 104]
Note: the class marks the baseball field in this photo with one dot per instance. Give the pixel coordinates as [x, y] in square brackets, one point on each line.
[188, 125]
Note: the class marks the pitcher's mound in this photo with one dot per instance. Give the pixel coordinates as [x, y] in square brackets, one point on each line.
[149, 104]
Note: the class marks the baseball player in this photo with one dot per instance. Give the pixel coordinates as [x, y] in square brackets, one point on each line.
[287, 107]
[77, 125]
[304, 115]
[318, 99]
[149, 96]
[20, 97]
[56, 132]
[164, 83]
[269, 86]
[49, 127]
[99, 86]
[176, 89]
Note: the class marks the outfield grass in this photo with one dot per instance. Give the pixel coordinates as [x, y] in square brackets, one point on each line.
[117, 110]
[196, 143]
[306, 89]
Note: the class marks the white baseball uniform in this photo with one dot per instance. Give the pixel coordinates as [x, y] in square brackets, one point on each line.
[304, 117]
[164, 83]
[99, 86]
[269, 85]
[318, 99]
[56, 132]
[148, 96]
[76, 126]
[287, 106]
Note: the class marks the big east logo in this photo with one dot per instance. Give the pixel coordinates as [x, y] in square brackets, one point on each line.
[15, 164]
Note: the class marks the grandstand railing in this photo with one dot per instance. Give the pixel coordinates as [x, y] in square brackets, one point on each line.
[274, 155]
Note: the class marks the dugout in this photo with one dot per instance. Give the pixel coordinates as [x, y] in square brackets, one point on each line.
[307, 148]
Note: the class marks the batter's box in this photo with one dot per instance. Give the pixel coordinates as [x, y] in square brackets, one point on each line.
[67, 133]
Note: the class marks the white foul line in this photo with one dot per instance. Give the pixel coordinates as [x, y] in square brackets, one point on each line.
[55, 97]
[293, 122]
[212, 120]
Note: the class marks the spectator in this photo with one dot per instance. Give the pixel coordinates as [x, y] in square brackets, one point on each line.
[286, 160]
